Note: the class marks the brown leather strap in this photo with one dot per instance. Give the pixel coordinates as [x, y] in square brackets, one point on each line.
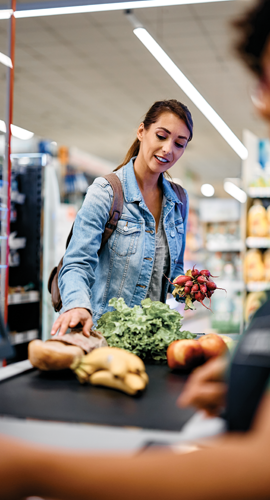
[115, 211]
[116, 208]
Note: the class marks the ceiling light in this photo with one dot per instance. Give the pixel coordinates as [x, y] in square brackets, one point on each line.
[20, 133]
[5, 13]
[5, 60]
[98, 7]
[189, 89]
[235, 191]
[207, 190]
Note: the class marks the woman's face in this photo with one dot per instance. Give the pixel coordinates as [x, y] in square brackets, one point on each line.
[163, 143]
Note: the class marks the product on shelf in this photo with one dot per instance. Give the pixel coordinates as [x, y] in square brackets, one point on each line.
[254, 266]
[253, 302]
[257, 222]
[266, 260]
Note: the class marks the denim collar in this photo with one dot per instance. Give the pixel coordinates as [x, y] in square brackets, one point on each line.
[132, 191]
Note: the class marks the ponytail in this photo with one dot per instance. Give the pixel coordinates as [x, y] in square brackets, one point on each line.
[133, 151]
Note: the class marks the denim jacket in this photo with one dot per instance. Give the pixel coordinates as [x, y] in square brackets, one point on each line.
[124, 266]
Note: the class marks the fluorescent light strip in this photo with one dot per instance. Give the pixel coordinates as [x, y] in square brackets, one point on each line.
[235, 191]
[5, 13]
[189, 89]
[81, 9]
[5, 60]
[20, 133]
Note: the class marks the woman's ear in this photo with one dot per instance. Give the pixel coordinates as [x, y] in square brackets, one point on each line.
[140, 131]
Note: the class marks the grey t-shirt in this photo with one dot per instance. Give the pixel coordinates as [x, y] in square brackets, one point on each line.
[161, 261]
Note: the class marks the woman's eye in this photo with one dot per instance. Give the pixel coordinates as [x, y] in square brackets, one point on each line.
[161, 137]
[179, 145]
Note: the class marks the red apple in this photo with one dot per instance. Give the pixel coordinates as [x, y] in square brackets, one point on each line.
[185, 354]
[213, 345]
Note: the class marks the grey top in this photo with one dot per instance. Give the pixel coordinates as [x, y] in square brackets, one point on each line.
[161, 262]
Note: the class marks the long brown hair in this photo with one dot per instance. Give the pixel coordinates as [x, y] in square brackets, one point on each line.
[153, 115]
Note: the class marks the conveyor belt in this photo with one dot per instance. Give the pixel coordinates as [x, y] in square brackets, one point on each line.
[58, 396]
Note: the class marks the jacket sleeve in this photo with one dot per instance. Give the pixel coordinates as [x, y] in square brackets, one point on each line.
[179, 268]
[77, 275]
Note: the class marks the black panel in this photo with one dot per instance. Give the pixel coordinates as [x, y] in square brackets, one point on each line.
[59, 396]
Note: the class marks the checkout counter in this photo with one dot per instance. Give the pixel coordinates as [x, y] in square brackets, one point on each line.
[53, 408]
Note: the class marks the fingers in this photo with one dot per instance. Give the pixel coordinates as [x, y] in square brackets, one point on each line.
[205, 388]
[207, 395]
[87, 327]
[70, 319]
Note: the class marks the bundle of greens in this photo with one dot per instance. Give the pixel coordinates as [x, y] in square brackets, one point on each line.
[147, 331]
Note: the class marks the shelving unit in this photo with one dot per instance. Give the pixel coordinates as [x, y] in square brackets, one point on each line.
[25, 263]
[256, 183]
[223, 257]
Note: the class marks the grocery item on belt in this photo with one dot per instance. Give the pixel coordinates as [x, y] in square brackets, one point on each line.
[112, 367]
[145, 330]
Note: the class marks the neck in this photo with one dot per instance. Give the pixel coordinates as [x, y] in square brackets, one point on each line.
[146, 179]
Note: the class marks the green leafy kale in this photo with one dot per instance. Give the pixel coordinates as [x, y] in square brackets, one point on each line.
[145, 330]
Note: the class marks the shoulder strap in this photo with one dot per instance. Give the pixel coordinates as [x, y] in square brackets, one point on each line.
[115, 211]
[116, 208]
[180, 193]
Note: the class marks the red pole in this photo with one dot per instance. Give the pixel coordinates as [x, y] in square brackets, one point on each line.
[8, 142]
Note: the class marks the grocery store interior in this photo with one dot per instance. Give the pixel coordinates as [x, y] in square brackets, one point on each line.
[82, 84]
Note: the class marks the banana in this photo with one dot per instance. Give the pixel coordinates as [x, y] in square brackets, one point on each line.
[134, 382]
[82, 376]
[106, 378]
[108, 358]
[145, 377]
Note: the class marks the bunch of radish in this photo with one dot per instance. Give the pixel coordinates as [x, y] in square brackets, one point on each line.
[194, 286]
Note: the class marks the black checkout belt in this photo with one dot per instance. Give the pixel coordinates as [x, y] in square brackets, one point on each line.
[58, 396]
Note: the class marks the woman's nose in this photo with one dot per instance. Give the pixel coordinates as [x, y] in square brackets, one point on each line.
[167, 147]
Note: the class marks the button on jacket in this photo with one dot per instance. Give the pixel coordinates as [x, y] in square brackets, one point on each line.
[124, 266]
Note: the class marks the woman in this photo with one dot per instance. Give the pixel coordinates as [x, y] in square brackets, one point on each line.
[148, 243]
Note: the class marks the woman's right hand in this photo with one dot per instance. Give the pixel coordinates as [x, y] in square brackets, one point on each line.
[70, 319]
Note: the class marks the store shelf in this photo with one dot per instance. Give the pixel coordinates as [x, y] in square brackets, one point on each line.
[255, 242]
[259, 192]
[22, 337]
[226, 246]
[257, 286]
[23, 298]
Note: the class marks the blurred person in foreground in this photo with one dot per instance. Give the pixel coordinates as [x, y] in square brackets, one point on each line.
[235, 466]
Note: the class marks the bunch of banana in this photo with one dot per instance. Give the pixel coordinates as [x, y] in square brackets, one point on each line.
[112, 367]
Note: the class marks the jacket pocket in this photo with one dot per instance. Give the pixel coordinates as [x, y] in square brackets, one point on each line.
[124, 240]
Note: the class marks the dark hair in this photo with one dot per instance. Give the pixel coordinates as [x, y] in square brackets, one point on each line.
[153, 114]
[254, 29]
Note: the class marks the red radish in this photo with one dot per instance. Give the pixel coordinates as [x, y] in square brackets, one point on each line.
[207, 273]
[195, 288]
[211, 285]
[189, 283]
[203, 289]
[195, 272]
[209, 293]
[199, 296]
[181, 280]
[202, 279]
[187, 290]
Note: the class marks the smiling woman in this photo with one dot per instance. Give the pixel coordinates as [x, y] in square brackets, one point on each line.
[149, 240]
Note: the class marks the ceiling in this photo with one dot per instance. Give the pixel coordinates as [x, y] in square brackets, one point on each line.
[85, 80]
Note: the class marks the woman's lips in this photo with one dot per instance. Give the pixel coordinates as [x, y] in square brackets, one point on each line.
[161, 160]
